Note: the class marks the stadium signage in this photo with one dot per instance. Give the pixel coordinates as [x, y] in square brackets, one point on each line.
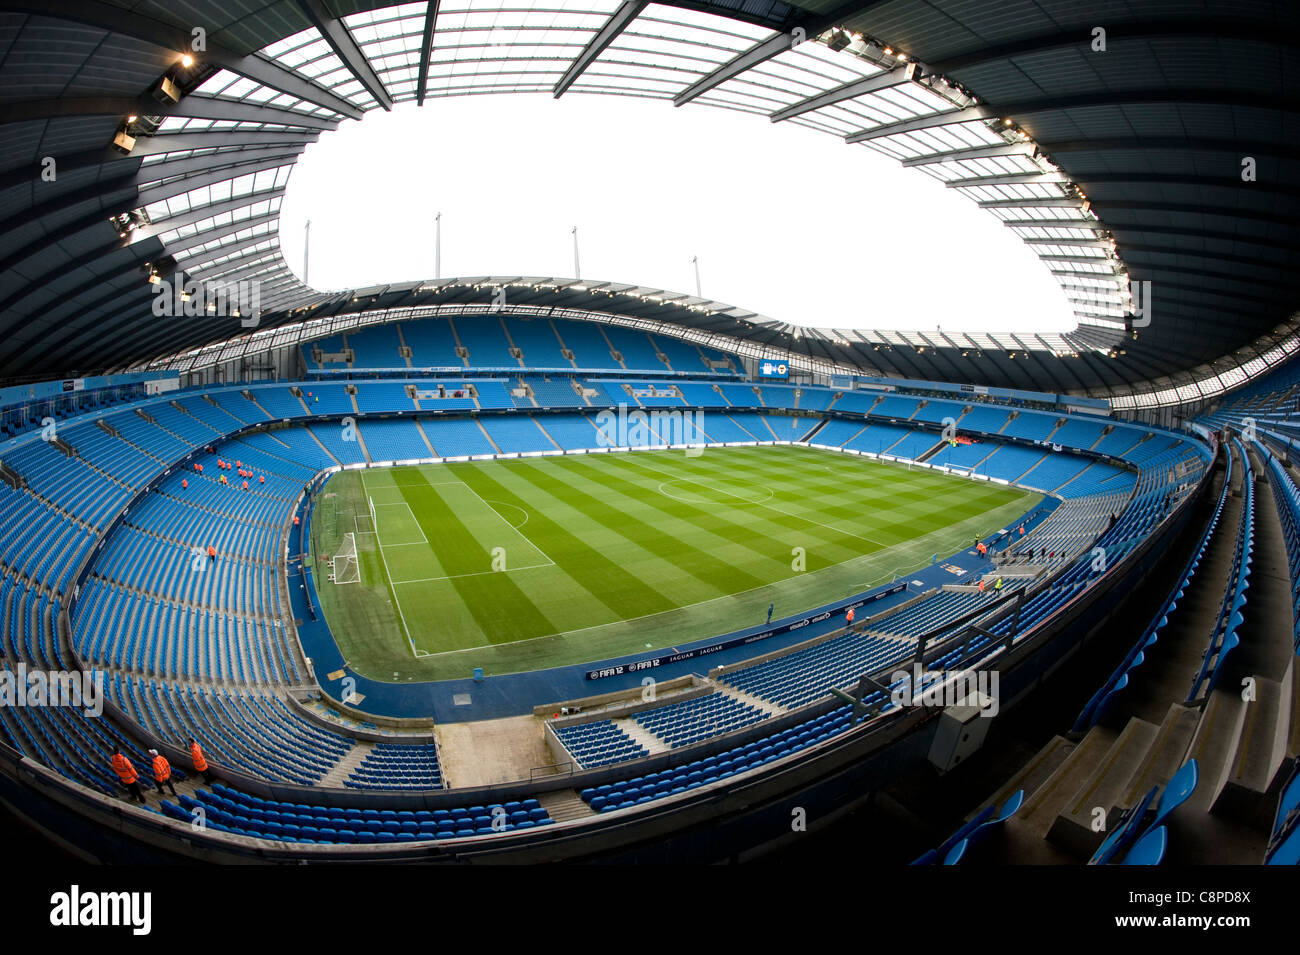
[821, 616]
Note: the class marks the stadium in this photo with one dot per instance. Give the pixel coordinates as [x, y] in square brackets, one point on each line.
[512, 569]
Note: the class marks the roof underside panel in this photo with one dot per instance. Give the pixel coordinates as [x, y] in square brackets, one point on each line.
[1152, 167]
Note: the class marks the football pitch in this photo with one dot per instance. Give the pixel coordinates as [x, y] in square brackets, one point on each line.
[527, 563]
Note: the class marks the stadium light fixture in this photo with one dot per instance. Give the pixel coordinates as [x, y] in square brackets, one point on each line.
[123, 141]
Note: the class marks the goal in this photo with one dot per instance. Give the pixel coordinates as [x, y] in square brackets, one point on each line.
[347, 570]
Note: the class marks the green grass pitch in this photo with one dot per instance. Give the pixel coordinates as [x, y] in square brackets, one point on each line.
[526, 563]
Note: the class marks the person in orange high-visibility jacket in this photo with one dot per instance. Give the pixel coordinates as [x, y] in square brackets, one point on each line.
[200, 761]
[261, 479]
[127, 774]
[185, 482]
[848, 619]
[162, 772]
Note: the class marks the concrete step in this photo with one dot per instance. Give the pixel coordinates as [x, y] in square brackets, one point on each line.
[1042, 806]
[649, 740]
[1167, 753]
[1213, 747]
[1036, 772]
[1259, 756]
[1075, 827]
[563, 805]
[771, 709]
[1293, 720]
[344, 767]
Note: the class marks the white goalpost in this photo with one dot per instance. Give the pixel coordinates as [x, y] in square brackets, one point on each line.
[374, 525]
[346, 567]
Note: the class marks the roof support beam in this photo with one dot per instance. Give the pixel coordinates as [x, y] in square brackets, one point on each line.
[1011, 179]
[1059, 202]
[170, 190]
[808, 27]
[199, 213]
[231, 162]
[968, 114]
[974, 152]
[134, 23]
[1081, 223]
[184, 142]
[90, 259]
[615, 25]
[126, 196]
[342, 43]
[191, 107]
[1072, 243]
[196, 263]
[884, 80]
[426, 50]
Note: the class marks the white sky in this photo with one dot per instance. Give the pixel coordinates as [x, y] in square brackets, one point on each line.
[786, 221]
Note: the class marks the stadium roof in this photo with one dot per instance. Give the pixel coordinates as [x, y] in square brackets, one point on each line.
[1159, 149]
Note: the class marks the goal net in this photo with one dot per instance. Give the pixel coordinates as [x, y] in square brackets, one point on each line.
[347, 570]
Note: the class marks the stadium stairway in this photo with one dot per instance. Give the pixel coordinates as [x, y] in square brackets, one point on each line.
[1267, 646]
[652, 743]
[361, 440]
[1244, 751]
[347, 764]
[1172, 664]
[767, 706]
[322, 446]
[495, 446]
[565, 804]
[425, 436]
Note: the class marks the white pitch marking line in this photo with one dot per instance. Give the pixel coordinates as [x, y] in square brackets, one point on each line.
[507, 523]
[396, 603]
[477, 573]
[423, 539]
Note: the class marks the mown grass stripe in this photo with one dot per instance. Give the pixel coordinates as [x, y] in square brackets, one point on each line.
[682, 556]
[613, 585]
[756, 534]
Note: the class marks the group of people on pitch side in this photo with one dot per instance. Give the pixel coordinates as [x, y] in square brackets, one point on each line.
[162, 771]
